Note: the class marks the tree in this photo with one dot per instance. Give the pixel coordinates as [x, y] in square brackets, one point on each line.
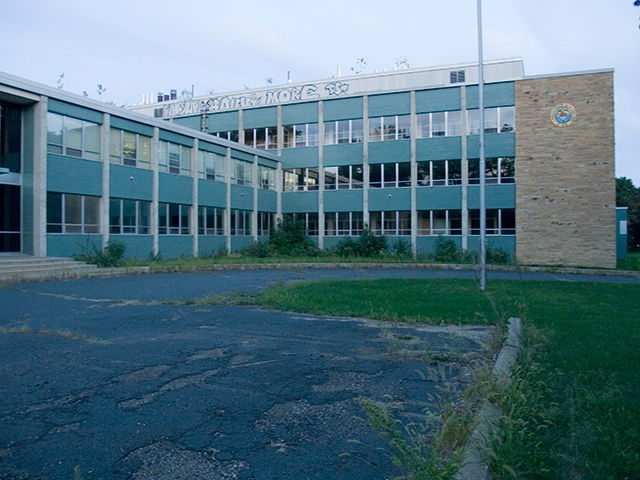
[628, 195]
[637, 4]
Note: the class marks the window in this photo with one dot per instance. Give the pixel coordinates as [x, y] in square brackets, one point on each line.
[343, 131]
[174, 158]
[439, 173]
[344, 177]
[264, 138]
[396, 127]
[499, 221]
[240, 222]
[265, 223]
[173, 219]
[439, 124]
[310, 222]
[456, 76]
[390, 175]
[73, 137]
[439, 222]
[267, 177]
[67, 213]
[305, 135]
[228, 135]
[210, 166]
[241, 172]
[498, 170]
[391, 223]
[496, 120]
[128, 216]
[210, 221]
[343, 223]
[131, 149]
[301, 179]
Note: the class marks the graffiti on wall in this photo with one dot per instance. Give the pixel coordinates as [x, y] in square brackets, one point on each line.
[193, 106]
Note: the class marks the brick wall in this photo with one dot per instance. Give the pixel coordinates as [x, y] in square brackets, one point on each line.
[565, 176]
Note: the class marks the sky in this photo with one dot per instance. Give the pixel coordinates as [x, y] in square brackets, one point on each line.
[133, 47]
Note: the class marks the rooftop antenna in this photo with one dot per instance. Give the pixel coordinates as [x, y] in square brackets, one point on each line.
[288, 76]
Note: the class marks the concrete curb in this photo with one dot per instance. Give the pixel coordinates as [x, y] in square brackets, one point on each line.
[475, 465]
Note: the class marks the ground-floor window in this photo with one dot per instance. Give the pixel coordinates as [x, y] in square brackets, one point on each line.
[439, 222]
[69, 213]
[173, 219]
[240, 223]
[128, 216]
[310, 221]
[343, 223]
[391, 223]
[265, 223]
[210, 221]
[499, 221]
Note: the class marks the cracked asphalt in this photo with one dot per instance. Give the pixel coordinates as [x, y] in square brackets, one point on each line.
[102, 375]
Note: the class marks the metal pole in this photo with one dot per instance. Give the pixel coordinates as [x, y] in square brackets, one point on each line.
[482, 247]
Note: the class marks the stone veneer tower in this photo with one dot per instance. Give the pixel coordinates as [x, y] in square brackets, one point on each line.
[565, 174]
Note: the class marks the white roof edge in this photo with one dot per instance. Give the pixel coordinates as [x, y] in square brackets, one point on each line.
[567, 74]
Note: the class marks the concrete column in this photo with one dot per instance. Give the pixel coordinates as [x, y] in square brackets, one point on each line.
[414, 177]
[365, 159]
[464, 166]
[40, 178]
[321, 228]
[155, 190]
[105, 132]
[193, 211]
[254, 214]
[279, 180]
[227, 209]
[240, 127]
[280, 130]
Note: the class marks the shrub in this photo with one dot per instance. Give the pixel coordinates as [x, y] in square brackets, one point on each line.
[446, 250]
[402, 248]
[369, 244]
[288, 239]
[256, 249]
[111, 256]
[497, 255]
[346, 247]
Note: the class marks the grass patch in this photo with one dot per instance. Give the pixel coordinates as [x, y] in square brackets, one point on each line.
[572, 411]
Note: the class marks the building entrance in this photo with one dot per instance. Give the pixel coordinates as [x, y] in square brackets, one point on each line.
[9, 218]
[10, 176]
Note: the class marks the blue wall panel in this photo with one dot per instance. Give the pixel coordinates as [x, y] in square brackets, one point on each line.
[438, 100]
[247, 157]
[175, 188]
[496, 196]
[346, 154]
[70, 245]
[213, 148]
[621, 232]
[129, 182]
[260, 117]
[238, 243]
[211, 244]
[212, 194]
[343, 109]
[73, 175]
[138, 246]
[131, 126]
[426, 244]
[390, 152]
[176, 138]
[190, 122]
[389, 199]
[299, 202]
[222, 122]
[300, 113]
[343, 201]
[63, 108]
[496, 145]
[300, 157]
[439, 148]
[389, 104]
[174, 246]
[495, 95]
[267, 201]
[241, 197]
[439, 198]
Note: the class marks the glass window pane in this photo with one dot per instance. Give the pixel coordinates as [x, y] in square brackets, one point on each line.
[312, 134]
[114, 146]
[249, 137]
[329, 133]
[507, 170]
[439, 222]
[185, 160]
[389, 126]
[473, 122]
[54, 130]
[438, 124]
[375, 176]
[357, 176]
[143, 217]
[455, 174]
[490, 120]
[424, 174]
[73, 209]
[454, 126]
[313, 179]
[492, 170]
[357, 133]
[261, 138]
[330, 223]
[390, 175]
[455, 222]
[54, 212]
[301, 135]
[174, 158]
[114, 215]
[424, 125]
[390, 223]
[474, 171]
[129, 215]
[219, 168]
[184, 230]
[272, 138]
[404, 223]
[129, 145]
[73, 136]
[424, 222]
[375, 222]
[162, 156]
[508, 221]
[404, 174]
[91, 214]
[507, 119]
[439, 172]
[144, 152]
[288, 140]
[92, 141]
[343, 131]
[404, 127]
[330, 176]
[375, 129]
[343, 177]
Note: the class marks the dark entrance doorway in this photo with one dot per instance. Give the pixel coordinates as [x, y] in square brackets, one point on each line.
[10, 169]
[9, 218]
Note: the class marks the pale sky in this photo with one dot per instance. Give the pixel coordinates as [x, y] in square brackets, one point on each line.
[139, 46]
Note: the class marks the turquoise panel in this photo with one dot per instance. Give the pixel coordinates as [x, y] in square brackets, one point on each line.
[213, 148]
[267, 162]
[343, 201]
[238, 243]
[495, 95]
[621, 233]
[495, 145]
[70, 245]
[439, 198]
[505, 243]
[300, 113]
[426, 244]
[222, 122]
[390, 152]
[247, 157]
[260, 117]
[138, 246]
[73, 175]
[346, 154]
[190, 122]
[174, 246]
[209, 245]
[63, 108]
[438, 100]
[267, 201]
[175, 189]
[241, 197]
[299, 202]
[130, 182]
[128, 125]
[496, 196]
[389, 104]
[300, 157]
[439, 148]
[343, 109]
[389, 199]
[176, 138]
[212, 194]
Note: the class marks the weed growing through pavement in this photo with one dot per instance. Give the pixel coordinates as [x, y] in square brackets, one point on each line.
[26, 329]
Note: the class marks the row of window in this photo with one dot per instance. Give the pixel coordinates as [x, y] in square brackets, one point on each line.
[397, 175]
[395, 127]
[73, 137]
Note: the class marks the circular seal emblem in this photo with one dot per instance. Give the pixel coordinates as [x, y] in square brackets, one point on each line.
[563, 115]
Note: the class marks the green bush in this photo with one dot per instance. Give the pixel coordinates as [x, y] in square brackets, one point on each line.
[111, 256]
[369, 244]
[446, 250]
[288, 239]
[402, 248]
[257, 249]
[497, 255]
[346, 247]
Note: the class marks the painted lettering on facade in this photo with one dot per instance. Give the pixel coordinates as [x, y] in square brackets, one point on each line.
[193, 106]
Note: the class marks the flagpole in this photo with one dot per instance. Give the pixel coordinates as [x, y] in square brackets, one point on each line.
[482, 246]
